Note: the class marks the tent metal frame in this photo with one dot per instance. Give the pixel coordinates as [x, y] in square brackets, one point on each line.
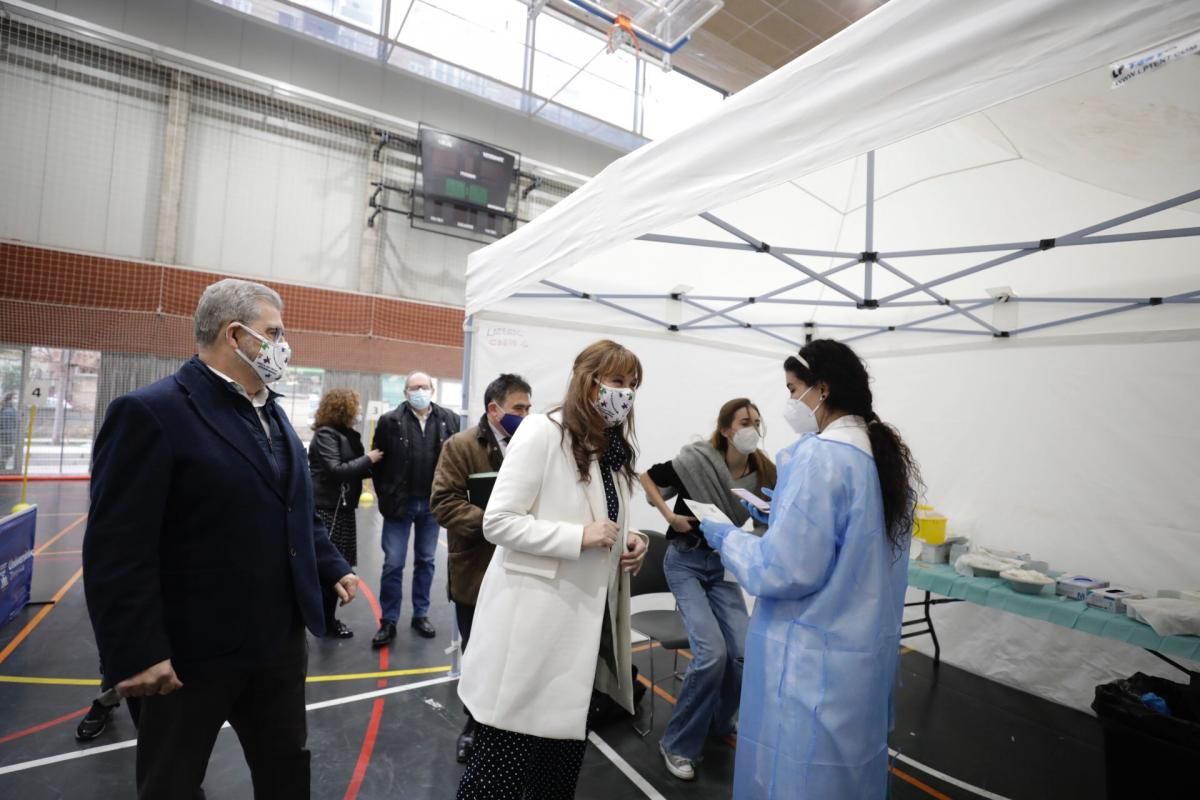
[710, 317]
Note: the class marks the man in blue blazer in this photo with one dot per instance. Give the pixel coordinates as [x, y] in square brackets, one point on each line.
[203, 559]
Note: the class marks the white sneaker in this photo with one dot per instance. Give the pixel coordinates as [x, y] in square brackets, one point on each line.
[680, 767]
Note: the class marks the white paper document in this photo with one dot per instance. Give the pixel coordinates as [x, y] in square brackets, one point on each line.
[707, 512]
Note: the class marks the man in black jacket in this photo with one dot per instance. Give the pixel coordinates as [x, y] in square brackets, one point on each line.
[411, 438]
[203, 560]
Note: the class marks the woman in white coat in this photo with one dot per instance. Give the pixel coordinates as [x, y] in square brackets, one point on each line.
[552, 621]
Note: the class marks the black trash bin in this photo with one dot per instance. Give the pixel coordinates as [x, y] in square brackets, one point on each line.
[1147, 754]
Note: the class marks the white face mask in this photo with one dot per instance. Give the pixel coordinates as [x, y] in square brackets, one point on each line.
[272, 359]
[614, 404]
[746, 440]
[802, 418]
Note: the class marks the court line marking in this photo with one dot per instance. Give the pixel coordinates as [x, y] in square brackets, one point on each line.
[60, 534]
[626, 769]
[665, 695]
[355, 676]
[41, 726]
[128, 743]
[941, 776]
[41, 615]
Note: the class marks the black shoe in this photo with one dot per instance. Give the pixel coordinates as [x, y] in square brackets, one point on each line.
[422, 626]
[384, 636]
[94, 722]
[337, 630]
[466, 743]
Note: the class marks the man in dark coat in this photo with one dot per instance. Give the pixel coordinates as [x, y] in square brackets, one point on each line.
[479, 449]
[203, 559]
[411, 438]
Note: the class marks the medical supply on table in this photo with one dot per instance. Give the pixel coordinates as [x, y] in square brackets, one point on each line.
[1026, 581]
[959, 548]
[939, 553]
[1112, 599]
[981, 563]
[1168, 616]
[1076, 587]
[929, 526]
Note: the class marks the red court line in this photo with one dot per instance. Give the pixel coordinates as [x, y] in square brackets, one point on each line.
[364, 755]
[909, 779]
[372, 732]
[45, 478]
[42, 726]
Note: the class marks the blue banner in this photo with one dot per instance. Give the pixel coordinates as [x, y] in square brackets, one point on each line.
[16, 562]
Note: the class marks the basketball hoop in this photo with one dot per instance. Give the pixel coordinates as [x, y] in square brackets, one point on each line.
[622, 31]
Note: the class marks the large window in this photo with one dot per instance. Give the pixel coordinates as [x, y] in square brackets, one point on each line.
[675, 101]
[573, 67]
[486, 36]
[479, 46]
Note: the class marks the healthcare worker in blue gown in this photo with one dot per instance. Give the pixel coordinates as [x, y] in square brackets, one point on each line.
[829, 576]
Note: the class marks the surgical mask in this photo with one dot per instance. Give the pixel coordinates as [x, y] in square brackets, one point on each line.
[420, 399]
[802, 418]
[746, 440]
[272, 360]
[510, 423]
[614, 404]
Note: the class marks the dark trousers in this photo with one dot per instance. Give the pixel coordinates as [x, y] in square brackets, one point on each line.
[329, 598]
[515, 766]
[465, 615]
[176, 732]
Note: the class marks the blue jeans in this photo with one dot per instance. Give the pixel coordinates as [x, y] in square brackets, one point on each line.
[395, 552]
[714, 613]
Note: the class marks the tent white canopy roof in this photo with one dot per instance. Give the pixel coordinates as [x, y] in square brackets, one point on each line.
[983, 132]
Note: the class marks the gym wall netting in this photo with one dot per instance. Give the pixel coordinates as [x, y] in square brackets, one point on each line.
[130, 183]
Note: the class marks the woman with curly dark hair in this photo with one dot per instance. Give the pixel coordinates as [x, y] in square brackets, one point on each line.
[829, 574]
[338, 465]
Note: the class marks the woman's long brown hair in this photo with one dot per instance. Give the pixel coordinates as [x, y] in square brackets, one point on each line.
[760, 462]
[583, 420]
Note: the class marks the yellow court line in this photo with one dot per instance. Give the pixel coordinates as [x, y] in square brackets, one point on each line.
[60, 553]
[394, 673]
[50, 681]
[391, 673]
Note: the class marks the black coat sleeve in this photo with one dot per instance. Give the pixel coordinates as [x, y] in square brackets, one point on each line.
[328, 447]
[131, 483]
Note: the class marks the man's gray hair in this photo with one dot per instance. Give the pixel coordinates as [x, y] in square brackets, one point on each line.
[230, 300]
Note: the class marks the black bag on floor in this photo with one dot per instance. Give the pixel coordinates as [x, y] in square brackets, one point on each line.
[1148, 754]
[605, 711]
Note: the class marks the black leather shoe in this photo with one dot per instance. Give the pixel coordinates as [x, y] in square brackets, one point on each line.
[422, 626]
[384, 636]
[338, 630]
[466, 743]
[94, 722]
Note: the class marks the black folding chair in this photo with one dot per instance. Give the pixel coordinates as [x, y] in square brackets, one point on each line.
[662, 627]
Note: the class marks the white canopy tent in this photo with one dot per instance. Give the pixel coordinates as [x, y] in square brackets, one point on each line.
[959, 190]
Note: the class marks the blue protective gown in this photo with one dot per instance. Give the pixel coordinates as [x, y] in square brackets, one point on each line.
[824, 639]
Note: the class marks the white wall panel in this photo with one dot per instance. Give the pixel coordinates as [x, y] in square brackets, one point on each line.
[23, 133]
